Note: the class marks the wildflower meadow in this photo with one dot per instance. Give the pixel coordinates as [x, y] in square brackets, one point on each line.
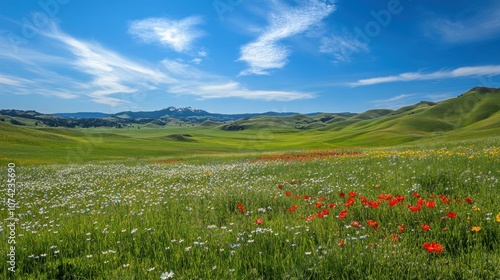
[402, 213]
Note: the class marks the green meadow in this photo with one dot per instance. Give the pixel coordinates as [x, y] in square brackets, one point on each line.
[387, 194]
[381, 213]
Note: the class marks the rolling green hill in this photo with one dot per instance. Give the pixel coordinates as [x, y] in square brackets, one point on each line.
[474, 114]
[477, 109]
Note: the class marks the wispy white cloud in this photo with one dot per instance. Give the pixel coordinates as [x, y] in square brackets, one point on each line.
[11, 81]
[394, 102]
[342, 46]
[267, 51]
[192, 81]
[109, 72]
[462, 72]
[176, 34]
[88, 70]
[482, 25]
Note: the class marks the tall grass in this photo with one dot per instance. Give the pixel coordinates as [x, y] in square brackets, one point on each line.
[200, 220]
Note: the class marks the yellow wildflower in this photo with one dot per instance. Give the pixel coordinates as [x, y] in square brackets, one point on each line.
[498, 217]
[476, 229]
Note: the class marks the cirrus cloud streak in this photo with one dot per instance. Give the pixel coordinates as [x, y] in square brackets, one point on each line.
[462, 72]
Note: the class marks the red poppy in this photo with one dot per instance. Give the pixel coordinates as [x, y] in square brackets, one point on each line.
[469, 200]
[321, 198]
[310, 218]
[414, 208]
[425, 227]
[374, 204]
[341, 243]
[393, 202]
[400, 198]
[415, 194]
[306, 197]
[451, 215]
[385, 196]
[239, 205]
[373, 224]
[343, 214]
[341, 194]
[430, 204]
[433, 247]
[355, 224]
[445, 200]
[331, 205]
[242, 210]
[280, 187]
[259, 221]
[325, 211]
[321, 215]
[293, 208]
[350, 201]
[401, 228]
[318, 204]
[421, 201]
[288, 193]
[352, 194]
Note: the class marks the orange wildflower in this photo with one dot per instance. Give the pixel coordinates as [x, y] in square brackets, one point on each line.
[395, 237]
[475, 228]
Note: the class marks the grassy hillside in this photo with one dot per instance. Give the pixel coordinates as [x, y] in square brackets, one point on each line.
[473, 114]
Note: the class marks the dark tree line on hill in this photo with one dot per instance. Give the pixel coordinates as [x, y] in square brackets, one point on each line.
[85, 123]
[54, 121]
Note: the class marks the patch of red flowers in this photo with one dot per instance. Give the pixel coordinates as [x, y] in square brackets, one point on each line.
[308, 155]
[425, 227]
[165, 161]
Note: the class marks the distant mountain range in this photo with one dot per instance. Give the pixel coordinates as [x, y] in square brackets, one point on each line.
[170, 115]
[187, 114]
[477, 109]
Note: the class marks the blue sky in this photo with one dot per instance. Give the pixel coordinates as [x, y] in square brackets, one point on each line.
[236, 56]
